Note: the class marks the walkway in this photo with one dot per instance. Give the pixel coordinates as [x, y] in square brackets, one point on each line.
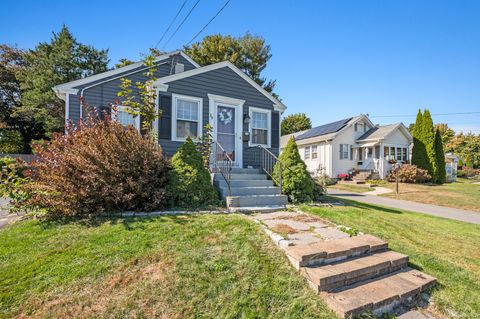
[5, 217]
[434, 210]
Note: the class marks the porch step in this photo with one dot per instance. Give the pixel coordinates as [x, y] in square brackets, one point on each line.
[243, 191]
[241, 177]
[336, 275]
[238, 170]
[258, 209]
[256, 200]
[380, 295]
[244, 183]
[334, 250]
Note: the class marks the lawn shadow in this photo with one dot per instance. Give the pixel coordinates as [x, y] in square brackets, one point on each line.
[356, 204]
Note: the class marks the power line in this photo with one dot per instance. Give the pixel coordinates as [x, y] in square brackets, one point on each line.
[171, 23]
[208, 23]
[438, 114]
[181, 23]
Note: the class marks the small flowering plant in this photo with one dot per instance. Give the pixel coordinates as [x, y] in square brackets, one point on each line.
[343, 177]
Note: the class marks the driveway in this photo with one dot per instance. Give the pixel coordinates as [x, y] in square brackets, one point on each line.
[5, 217]
[434, 210]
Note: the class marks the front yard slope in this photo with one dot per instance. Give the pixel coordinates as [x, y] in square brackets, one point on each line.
[209, 266]
[446, 249]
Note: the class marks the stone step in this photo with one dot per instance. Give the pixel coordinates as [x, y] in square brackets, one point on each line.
[243, 191]
[243, 183]
[331, 276]
[256, 200]
[334, 250]
[380, 295]
[238, 176]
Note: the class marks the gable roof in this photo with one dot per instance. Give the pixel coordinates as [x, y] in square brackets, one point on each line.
[69, 86]
[279, 106]
[380, 132]
[324, 129]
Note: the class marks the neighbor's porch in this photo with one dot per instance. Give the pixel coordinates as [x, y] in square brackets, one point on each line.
[379, 157]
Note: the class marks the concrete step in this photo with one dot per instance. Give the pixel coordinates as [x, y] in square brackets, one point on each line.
[221, 183]
[334, 250]
[243, 191]
[237, 170]
[256, 200]
[380, 295]
[258, 209]
[351, 271]
[238, 176]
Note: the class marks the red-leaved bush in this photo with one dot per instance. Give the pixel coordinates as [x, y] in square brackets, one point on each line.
[98, 166]
[410, 174]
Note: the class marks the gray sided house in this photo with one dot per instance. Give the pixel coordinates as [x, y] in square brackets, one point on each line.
[244, 116]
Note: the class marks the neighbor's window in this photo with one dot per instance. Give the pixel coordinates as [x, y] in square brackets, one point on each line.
[314, 152]
[307, 152]
[351, 152]
[399, 153]
[260, 127]
[392, 153]
[385, 152]
[125, 118]
[344, 151]
[187, 113]
[404, 154]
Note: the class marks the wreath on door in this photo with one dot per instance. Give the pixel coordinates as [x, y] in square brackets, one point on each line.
[225, 116]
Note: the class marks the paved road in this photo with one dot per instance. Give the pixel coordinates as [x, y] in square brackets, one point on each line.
[440, 211]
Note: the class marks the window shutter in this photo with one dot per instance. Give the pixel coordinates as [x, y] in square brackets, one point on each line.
[341, 151]
[165, 120]
[275, 129]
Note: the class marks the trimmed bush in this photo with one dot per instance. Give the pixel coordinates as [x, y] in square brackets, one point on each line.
[410, 174]
[13, 182]
[99, 166]
[440, 158]
[297, 183]
[189, 183]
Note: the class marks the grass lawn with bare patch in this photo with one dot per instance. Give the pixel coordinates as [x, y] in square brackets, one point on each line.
[444, 248]
[209, 266]
[461, 194]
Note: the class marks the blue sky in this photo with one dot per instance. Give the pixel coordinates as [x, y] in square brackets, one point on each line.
[331, 59]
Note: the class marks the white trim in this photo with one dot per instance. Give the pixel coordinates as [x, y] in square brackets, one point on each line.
[67, 110]
[62, 88]
[278, 106]
[161, 87]
[199, 102]
[123, 108]
[269, 126]
[237, 104]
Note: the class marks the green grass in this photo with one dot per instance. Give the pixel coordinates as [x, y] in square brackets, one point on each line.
[461, 194]
[446, 249]
[209, 266]
[352, 188]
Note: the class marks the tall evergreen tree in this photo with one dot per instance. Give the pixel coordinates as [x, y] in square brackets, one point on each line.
[419, 155]
[428, 139]
[440, 157]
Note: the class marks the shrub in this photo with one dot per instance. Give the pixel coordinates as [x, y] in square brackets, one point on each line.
[189, 183]
[343, 176]
[99, 166]
[297, 183]
[410, 174]
[13, 182]
[469, 172]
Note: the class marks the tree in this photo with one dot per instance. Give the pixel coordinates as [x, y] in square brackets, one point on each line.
[428, 138]
[468, 161]
[419, 155]
[446, 132]
[249, 53]
[295, 123]
[297, 183]
[440, 157]
[123, 62]
[63, 59]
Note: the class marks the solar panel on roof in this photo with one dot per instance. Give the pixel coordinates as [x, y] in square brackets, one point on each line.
[324, 129]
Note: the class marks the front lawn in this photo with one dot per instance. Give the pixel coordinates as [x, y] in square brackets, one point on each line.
[461, 194]
[446, 249]
[353, 188]
[209, 266]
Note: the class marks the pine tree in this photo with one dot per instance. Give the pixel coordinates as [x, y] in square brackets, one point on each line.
[428, 139]
[419, 155]
[440, 158]
[297, 183]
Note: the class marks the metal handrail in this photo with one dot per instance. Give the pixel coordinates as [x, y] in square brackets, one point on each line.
[269, 160]
[224, 167]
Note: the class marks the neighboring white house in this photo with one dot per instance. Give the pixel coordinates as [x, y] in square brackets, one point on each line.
[451, 166]
[353, 143]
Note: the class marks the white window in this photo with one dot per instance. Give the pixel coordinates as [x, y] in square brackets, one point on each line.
[187, 117]
[260, 126]
[125, 118]
[344, 151]
[307, 152]
[404, 154]
[314, 152]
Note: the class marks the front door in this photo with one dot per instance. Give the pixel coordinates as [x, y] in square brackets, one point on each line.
[228, 131]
